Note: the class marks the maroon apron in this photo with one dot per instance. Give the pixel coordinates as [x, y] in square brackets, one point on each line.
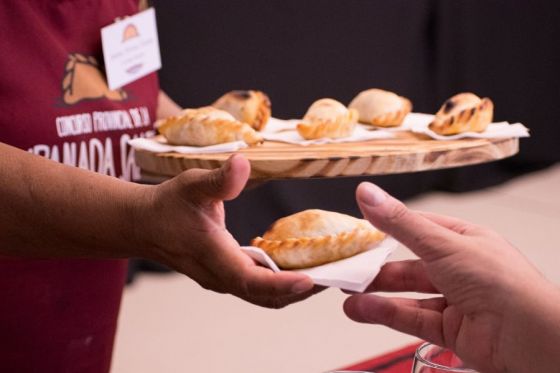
[61, 315]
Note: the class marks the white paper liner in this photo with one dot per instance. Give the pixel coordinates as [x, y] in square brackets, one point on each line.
[418, 123]
[354, 273]
[405, 126]
[293, 137]
[158, 145]
[275, 125]
[285, 131]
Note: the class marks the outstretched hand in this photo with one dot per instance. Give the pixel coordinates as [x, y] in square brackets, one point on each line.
[189, 235]
[492, 299]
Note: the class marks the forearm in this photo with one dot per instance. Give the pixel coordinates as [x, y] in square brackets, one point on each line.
[53, 210]
[166, 106]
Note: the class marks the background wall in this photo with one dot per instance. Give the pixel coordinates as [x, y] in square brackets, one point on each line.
[299, 51]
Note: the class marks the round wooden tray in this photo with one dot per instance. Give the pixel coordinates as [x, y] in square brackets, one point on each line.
[406, 153]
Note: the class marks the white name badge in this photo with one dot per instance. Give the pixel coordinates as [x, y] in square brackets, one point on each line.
[131, 48]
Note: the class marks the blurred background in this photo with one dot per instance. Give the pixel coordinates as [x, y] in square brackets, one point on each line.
[298, 51]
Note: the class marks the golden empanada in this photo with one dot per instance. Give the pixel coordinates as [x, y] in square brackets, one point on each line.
[465, 112]
[251, 107]
[327, 118]
[206, 126]
[314, 237]
[381, 108]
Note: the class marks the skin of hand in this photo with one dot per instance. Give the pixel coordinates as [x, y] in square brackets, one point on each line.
[496, 311]
[166, 107]
[51, 210]
[186, 231]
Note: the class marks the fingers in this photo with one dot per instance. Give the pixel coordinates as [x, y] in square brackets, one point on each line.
[261, 281]
[424, 237]
[408, 275]
[422, 318]
[241, 276]
[224, 183]
[280, 302]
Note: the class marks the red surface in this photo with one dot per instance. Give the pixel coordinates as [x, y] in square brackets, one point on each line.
[398, 361]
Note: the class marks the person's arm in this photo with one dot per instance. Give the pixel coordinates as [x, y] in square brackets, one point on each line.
[496, 311]
[166, 107]
[53, 210]
[50, 210]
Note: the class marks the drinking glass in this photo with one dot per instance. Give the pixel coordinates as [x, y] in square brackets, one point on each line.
[430, 358]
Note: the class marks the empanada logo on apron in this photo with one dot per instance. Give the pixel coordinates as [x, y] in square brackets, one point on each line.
[84, 80]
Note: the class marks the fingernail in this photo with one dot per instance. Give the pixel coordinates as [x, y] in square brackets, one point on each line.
[302, 286]
[372, 195]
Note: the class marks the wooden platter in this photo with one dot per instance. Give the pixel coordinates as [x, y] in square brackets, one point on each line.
[406, 153]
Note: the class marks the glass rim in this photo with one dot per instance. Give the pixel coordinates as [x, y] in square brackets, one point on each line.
[436, 365]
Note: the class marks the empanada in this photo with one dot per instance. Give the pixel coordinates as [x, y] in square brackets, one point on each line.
[314, 237]
[251, 107]
[381, 108]
[327, 118]
[206, 126]
[465, 112]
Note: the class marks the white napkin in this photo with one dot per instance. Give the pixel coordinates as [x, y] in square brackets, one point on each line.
[159, 145]
[354, 273]
[292, 136]
[418, 123]
[278, 125]
[405, 126]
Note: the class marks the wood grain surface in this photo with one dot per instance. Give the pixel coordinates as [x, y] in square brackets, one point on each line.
[406, 153]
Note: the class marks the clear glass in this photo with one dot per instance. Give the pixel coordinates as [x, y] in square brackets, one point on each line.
[430, 358]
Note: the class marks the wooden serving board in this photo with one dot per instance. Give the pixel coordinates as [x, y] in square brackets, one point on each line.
[406, 153]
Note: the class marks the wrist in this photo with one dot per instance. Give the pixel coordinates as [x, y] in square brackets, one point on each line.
[142, 220]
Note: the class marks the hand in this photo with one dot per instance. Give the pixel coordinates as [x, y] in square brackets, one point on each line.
[496, 310]
[186, 229]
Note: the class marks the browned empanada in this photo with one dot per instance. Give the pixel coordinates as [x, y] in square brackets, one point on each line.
[327, 118]
[381, 108]
[314, 237]
[206, 126]
[251, 107]
[465, 112]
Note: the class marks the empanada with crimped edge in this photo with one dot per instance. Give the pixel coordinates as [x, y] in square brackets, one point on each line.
[327, 118]
[206, 126]
[314, 237]
[381, 108]
[464, 112]
[251, 107]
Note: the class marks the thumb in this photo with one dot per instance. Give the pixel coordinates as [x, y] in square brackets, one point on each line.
[424, 237]
[224, 183]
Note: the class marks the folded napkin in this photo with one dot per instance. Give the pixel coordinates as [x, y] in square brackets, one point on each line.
[354, 273]
[158, 144]
[292, 136]
[405, 126]
[278, 125]
[418, 123]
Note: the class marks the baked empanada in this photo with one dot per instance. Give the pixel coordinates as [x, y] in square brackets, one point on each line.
[314, 237]
[465, 112]
[206, 126]
[327, 118]
[251, 107]
[381, 108]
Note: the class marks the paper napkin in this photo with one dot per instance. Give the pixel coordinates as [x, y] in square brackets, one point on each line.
[159, 145]
[354, 273]
[418, 123]
[292, 136]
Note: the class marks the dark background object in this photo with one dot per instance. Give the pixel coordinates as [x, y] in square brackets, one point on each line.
[427, 50]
